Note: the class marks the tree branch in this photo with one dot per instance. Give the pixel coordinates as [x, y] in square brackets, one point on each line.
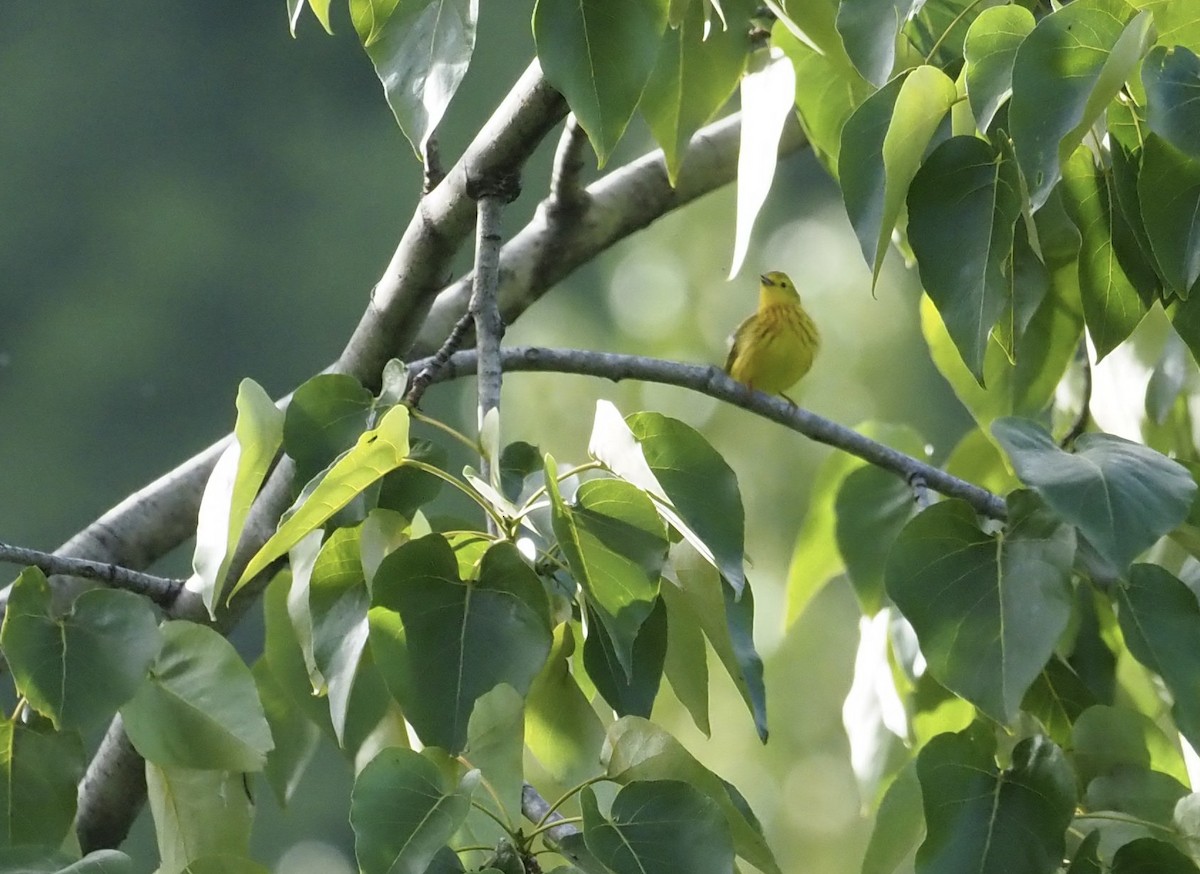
[622, 202]
[535, 808]
[160, 590]
[711, 381]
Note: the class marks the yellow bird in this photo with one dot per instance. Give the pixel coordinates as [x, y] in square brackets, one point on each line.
[775, 347]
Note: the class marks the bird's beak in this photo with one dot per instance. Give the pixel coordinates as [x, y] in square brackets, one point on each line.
[765, 279]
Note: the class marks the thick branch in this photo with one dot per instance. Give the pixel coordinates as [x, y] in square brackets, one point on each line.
[536, 808]
[713, 382]
[489, 328]
[161, 590]
[443, 219]
[624, 201]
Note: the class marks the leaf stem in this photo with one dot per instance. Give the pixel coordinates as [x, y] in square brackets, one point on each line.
[466, 490]
[442, 426]
[564, 798]
[528, 507]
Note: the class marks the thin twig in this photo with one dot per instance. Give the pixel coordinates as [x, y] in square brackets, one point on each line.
[1085, 405]
[160, 590]
[424, 377]
[711, 381]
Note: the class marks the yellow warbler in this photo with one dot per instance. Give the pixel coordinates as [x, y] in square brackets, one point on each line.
[773, 348]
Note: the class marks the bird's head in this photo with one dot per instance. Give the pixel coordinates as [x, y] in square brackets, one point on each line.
[776, 286]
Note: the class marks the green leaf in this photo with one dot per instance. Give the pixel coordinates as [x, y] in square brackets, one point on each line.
[561, 728]
[633, 692]
[455, 639]
[599, 54]
[697, 490]
[815, 557]
[832, 89]
[79, 668]
[1065, 73]
[1112, 307]
[686, 662]
[1160, 619]
[1150, 856]
[1172, 79]
[987, 610]
[637, 750]
[39, 772]
[615, 545]
[1169, 193]
[421, 53]
[1106, 738]
[338, 602]
[325, 417]
[728, 622]
[518, 461]
[962, 207]
[989, 821]
[198, 813]
[768, 95]
[200, 707]
[1147, 795]
[990, 51]
[882, 146]
[658, 827]
[869, 29]
[377, 452]
[495, 743]
[899, 826]
[1175, 21]
[1056, 699]
[295, 737]
[1122, 496]
[1127, 131]
[694, 77]
[936, 31]
[232, 486]
[404, 809]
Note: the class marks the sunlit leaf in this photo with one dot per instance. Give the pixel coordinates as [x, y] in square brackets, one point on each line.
[990, 49]
[39, 772]
[1169, 193]
[198, 813]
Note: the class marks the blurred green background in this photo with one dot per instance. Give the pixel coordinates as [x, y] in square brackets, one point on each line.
[189, 196]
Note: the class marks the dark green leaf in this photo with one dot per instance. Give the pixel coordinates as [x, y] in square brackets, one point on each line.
[1065, 73]
[1122, 496]
[39, 772]
[658, 827]
[990, 49]
[671, 460]
[1127, 130]
[404, 810]
[323, 420]
[599, 54]
[517, 461]
[1112, 306]
[634, 693]
[1150, 856]
[686, 661]
[79, 668]
[987, 610]
[615, 545]
[1086, 859]
[638, 750]
[420, 49]
[1160, 620]
[1172, 79]
[198, 813]
[696, 72]
[442, 641]
[200, 707]
[1056, 699]
[1169, 193]
[989, 821]
[962, 206]
[883, 143]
